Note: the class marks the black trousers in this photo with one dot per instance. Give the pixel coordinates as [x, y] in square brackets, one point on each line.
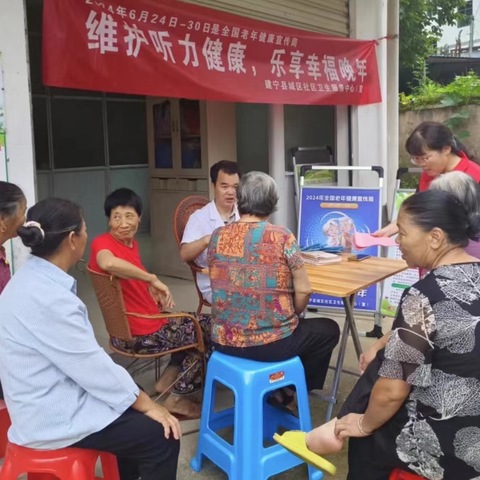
[313, 341]
[140, 446]
[372, 457]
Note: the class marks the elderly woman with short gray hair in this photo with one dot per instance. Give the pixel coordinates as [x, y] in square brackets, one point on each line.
[467, 190]
[260, 287]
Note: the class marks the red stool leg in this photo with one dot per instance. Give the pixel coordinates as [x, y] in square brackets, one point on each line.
[8, 471]
[81, 471]
[109, 466]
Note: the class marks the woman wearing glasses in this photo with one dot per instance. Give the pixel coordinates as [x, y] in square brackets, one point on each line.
[434, 148]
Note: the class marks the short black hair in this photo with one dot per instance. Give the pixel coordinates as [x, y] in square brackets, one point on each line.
[225, 166]
[123, 197]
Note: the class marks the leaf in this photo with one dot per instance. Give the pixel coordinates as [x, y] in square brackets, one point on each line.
[451, 101]
[420, 25]
[461, 115]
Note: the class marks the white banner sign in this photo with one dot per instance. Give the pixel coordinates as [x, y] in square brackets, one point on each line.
[393, 287]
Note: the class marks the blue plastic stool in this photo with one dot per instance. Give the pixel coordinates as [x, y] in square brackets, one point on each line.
[250, 381]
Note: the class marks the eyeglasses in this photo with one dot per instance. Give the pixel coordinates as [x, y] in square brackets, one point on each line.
[422, 160]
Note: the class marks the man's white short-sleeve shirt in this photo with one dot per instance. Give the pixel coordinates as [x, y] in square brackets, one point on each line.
[203, 222]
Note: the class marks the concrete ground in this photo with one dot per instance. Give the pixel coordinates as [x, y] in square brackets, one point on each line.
[186, 299]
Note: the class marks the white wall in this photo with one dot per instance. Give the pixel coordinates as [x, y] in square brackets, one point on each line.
[18, 119]
[450, 32]
[375, 127]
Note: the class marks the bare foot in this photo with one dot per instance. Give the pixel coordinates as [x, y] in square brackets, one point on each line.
[322, 440]
[168, 378]
[183, 406]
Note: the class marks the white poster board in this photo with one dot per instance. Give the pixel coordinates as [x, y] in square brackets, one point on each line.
[393, 287]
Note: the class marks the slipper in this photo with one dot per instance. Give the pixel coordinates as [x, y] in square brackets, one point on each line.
[294, 441]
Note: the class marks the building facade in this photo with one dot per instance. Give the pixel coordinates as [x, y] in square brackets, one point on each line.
[463, 38]
[80, 145]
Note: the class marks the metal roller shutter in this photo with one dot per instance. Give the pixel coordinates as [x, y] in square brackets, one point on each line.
[323, 16]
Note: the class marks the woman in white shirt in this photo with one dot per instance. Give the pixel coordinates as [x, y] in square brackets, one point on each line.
[61, 388]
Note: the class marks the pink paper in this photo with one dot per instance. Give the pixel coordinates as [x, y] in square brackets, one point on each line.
[365, 240]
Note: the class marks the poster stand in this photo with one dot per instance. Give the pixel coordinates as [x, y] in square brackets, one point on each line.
[312, 156]
[393, 287]
[329, 215]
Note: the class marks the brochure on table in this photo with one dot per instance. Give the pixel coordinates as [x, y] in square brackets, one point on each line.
[329, 216]
[393, 287]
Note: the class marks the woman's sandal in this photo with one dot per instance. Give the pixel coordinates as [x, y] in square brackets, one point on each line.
[168, 377]
[294, 441]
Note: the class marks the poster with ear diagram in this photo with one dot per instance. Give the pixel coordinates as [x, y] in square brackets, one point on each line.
[329, 217]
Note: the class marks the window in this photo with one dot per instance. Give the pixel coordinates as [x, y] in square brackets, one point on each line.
[79, 128]
[127, 132]
[40, 133]
[77, 132]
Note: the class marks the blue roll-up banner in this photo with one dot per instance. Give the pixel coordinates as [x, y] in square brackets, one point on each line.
[329, 216]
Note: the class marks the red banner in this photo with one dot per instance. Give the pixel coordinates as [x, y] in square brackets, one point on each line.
[175, 49]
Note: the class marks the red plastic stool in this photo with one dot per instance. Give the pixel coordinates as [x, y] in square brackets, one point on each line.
[65, 463]
[398, 474]
[4, 426]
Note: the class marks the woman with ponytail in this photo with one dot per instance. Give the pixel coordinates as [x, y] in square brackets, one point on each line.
[433, 147]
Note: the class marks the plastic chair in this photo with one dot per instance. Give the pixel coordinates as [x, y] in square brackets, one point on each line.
[109, 294]
[65, 464]
[398, 474]
[249, 457]
[180, 218]
[5, 423]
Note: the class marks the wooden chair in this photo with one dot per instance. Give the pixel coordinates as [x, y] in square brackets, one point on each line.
[180, 218]
[110, 298]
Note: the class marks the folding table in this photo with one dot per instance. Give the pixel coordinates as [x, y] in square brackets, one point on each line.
[344, 280]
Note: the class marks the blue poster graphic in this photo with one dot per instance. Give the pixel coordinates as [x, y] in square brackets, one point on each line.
[329, 216]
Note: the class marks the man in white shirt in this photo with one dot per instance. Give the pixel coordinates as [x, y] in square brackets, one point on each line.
[222, 210]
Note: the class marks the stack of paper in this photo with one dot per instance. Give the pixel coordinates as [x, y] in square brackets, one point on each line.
[320, 258]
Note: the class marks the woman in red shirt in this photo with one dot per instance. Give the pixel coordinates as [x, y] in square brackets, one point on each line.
[117, 253]
[433, 147]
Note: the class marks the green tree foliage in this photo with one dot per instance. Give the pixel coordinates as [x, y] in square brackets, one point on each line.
[463, 90]
[421, 22]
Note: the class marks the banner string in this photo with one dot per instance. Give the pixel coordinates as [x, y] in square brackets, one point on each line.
[389, 37]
